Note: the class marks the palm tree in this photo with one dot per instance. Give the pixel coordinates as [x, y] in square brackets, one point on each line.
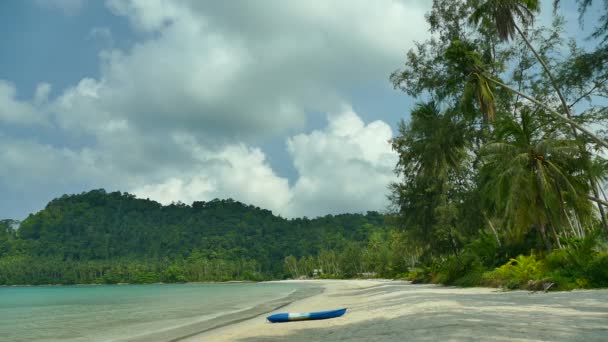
[534, 181]
[504, 14]
[460, 57]
[432, 149]
[432, 144]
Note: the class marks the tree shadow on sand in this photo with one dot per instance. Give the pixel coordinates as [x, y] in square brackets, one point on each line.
[515, 316]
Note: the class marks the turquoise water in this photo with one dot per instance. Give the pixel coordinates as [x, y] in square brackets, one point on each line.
[134, 312]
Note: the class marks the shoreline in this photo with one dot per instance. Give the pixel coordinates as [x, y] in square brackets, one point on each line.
[183, 333]
[329, 287]
[385, 310]
[379, 310]
[256, 311]
[131, 284]
[308, 281]
[137, 313]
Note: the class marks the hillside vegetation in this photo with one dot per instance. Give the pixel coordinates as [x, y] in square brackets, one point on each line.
[99, 237]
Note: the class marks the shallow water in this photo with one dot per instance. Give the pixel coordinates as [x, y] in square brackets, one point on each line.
[133, 312]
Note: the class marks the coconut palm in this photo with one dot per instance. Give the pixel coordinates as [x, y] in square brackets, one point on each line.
[431, 144]
[464, 61]
[504, 15]
[533, 180]
[432, 149]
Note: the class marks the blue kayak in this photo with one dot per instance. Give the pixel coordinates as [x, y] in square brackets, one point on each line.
[305, 316]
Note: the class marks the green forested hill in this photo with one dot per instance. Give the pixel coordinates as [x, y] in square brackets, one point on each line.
[97, 232]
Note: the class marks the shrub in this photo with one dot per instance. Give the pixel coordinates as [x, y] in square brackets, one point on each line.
[597, 271]
[578, 265]
[472, 278]
[419, 275]
[463, 270]
[486, 250]
[522, 272]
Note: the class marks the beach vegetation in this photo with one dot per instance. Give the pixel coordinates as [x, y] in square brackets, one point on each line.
[502, 167]
[501, 181]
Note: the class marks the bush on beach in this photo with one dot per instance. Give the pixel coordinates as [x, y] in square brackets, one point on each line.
[580, 263]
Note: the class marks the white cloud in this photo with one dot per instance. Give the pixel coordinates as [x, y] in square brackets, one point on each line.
[236, 171]
[231, 70]
[31, 165]
[14, 111]
[344, 168]
[176, 116]
[42, 93]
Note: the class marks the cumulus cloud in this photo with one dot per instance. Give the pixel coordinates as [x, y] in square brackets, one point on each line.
[14, 111]
[229, 70]
[235, 171]
[33, 173]
[41, 95]
[177, 115]
[27, 164]
[346, 167]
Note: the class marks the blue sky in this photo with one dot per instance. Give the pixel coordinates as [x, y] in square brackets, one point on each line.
[285, 105]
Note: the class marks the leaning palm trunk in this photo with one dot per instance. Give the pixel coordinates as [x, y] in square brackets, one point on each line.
[493, 230]
[556, 236]
[598, 200]
[504, 14]
[543, 234]
[553, 112]
[566, 108]
[575, 232]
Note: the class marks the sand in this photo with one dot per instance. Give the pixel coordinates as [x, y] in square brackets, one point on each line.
[399, 311]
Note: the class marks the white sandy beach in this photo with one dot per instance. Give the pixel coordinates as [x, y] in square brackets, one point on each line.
[397, 311]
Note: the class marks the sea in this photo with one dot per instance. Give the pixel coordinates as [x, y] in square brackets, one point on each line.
[156, 312]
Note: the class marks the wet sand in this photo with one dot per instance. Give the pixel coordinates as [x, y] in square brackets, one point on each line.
[398, 311]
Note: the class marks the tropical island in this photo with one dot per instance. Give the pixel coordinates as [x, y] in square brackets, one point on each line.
[456, 191]
[502, 183]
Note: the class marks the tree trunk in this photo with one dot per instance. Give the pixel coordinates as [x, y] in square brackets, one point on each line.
[543, 235]
[559, 244]
[493, 230]
[600, 205]
[598, 200]
[553, 113]
[575, 232]
[547, 71]
[566, 109]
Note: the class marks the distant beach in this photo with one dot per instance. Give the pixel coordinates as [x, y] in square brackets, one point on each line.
[398, 311]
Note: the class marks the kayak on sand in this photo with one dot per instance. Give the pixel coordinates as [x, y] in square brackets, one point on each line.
[305, 316]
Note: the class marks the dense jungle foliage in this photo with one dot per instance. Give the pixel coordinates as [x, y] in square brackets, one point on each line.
[99, 237]
[502, 177]
[502, 164]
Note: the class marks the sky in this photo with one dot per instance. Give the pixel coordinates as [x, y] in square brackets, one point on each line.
[285, 105]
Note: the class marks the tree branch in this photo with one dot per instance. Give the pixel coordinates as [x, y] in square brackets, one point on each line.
[597, 85]
[598, 200]
[554, 113]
